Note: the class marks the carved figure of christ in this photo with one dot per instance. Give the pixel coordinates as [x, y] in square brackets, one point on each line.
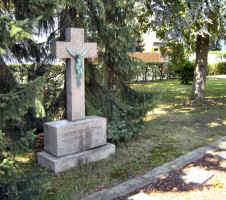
[75, 92]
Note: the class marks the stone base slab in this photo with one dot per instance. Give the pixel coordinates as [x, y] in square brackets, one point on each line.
[60, 164]
[65, 137]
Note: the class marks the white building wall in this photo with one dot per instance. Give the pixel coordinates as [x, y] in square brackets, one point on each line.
[149, 39]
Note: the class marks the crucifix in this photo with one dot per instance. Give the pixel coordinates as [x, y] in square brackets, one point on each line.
[74, 50]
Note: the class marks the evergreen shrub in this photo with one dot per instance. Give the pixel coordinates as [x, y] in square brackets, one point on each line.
[21, 108]
[27, 187]
[14, 183]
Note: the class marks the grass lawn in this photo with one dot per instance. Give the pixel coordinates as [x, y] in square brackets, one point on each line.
[174, 127]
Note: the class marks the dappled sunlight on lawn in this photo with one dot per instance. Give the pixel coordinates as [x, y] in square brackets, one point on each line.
[184, 110]
[164, 109]
[180, 97]
[213, 124]
[159, 110]
[22, 159]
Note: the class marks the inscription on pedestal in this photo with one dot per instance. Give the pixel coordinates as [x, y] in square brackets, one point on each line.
[66, 137]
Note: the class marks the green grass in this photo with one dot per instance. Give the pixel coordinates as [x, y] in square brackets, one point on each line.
[174, 127]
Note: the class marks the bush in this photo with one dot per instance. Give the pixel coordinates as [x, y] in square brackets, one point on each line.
[20, 110]
[185, 71]
[210, 69]
[14, 183]
[29, 187]
[217, 68]
[221, 68]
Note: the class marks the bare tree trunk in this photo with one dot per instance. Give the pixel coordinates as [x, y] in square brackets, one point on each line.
[199, 82]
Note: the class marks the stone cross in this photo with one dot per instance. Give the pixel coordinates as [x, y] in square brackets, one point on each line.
[75, 93]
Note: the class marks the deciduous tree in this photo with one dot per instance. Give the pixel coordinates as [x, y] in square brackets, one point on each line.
[192, 22]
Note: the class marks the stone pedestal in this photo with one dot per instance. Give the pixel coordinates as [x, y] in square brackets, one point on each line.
[70, 143]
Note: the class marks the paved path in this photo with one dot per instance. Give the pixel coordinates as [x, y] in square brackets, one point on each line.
[133, 185]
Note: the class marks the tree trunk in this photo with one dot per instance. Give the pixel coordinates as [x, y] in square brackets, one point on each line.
[111, 75]
[7, 81]
[146, 73]
[199, 82]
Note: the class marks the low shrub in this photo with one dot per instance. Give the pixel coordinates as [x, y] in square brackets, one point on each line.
[221, 68]
[185, 71]
[211, 69]
[217, 68]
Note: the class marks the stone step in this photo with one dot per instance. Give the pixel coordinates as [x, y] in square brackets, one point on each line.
[60, 164]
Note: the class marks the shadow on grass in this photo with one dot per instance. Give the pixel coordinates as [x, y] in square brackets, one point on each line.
[175, 183]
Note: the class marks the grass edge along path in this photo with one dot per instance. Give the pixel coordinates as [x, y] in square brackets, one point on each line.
[134, 185]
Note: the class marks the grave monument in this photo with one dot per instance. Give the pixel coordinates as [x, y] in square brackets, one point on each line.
[79, 139]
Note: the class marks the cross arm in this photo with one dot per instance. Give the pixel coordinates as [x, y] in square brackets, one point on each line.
[92, 50]
[59, 50]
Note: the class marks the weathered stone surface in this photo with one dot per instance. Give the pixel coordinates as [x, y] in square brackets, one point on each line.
[221, 154]
[60, 164]
[75, 94]
[67, 137]
[75, 41]
[140, 196]
[196, 175]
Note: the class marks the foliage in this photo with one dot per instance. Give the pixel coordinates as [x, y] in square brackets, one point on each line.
[17, 42]
[179, 63]
[13, 183]
[124, 109]
[177, 53]
[20, 98]
[221, 68]
[217, 68]
[50, 105]
[27, 188]
[185, 71]
[18, 138]
[123, 130]
[127, 119]
[182, 21]
[15, 105]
